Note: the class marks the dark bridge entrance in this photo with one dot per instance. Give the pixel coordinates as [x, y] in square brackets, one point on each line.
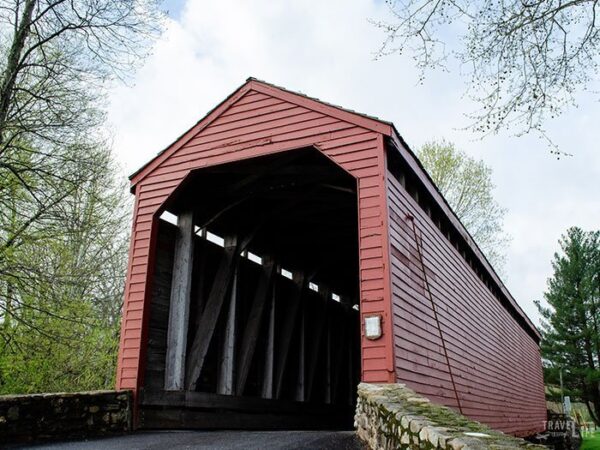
[254, 317]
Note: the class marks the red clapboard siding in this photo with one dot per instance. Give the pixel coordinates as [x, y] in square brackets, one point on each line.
[492, 361]
[495, 364]
[259, 120]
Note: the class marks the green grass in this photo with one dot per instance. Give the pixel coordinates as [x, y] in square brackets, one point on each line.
[591, 441]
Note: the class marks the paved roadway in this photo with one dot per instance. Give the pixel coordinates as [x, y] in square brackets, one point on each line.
[179, 440]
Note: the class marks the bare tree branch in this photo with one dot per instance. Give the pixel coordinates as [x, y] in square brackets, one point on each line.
[526, 60]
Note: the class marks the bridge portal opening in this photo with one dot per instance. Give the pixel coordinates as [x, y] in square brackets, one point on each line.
[254, 320]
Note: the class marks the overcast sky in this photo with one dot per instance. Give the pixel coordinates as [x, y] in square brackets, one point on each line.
[325, 50]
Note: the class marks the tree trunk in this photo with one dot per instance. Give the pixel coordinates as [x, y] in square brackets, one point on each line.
[8, 308]
[592, 412]
[11, 71]
[594, 312]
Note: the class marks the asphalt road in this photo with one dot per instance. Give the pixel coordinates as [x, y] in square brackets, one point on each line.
[176, 440]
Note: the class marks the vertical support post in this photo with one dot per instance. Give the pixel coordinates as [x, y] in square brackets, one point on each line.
[210, 315]
[179, 307]
[336, 364]
[225, 383]
[318, 325]
[351, 343]
[288, 329]
[199, 299]
[328, 324]
[300, 383]
[267, 388]
[253, 323]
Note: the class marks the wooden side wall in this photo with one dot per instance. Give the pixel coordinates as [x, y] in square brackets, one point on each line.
[254, 123]
[495, 363]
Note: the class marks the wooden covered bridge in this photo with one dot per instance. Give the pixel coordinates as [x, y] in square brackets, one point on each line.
[284, 249]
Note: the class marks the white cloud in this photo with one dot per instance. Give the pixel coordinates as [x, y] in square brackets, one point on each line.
[325, 49]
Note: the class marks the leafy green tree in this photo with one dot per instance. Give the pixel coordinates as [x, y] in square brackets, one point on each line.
[62, 282]
[63, 214]
[570, 324]
[466, 184]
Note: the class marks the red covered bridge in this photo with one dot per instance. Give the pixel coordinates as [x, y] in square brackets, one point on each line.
[310, 251]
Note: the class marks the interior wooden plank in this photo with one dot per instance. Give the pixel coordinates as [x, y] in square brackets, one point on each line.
[180, 303]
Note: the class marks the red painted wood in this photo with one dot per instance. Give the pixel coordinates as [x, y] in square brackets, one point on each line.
[258, 120]
[432, 190]
[496, 365]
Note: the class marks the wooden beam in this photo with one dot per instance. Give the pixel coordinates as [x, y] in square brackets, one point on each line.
[267, 387]
[273, 167]
[352, 342]
[200, 276]
[253, 323]
[287, 332]
[268, 191]
[179, 306]
[341, 339]
[268, 416]
[315, 350]
[210, 400]
[345, 190]
[301, 379]
[211, 312]
[328, 322]
[225, 381]
[246, 185]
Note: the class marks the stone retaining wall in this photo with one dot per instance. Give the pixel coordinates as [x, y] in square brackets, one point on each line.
[392, 416]
[28, 418]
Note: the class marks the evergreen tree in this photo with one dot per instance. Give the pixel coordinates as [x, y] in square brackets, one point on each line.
[570, 325]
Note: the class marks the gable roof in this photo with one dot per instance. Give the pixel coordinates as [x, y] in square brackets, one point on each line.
[253, 84]
[363, 120]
